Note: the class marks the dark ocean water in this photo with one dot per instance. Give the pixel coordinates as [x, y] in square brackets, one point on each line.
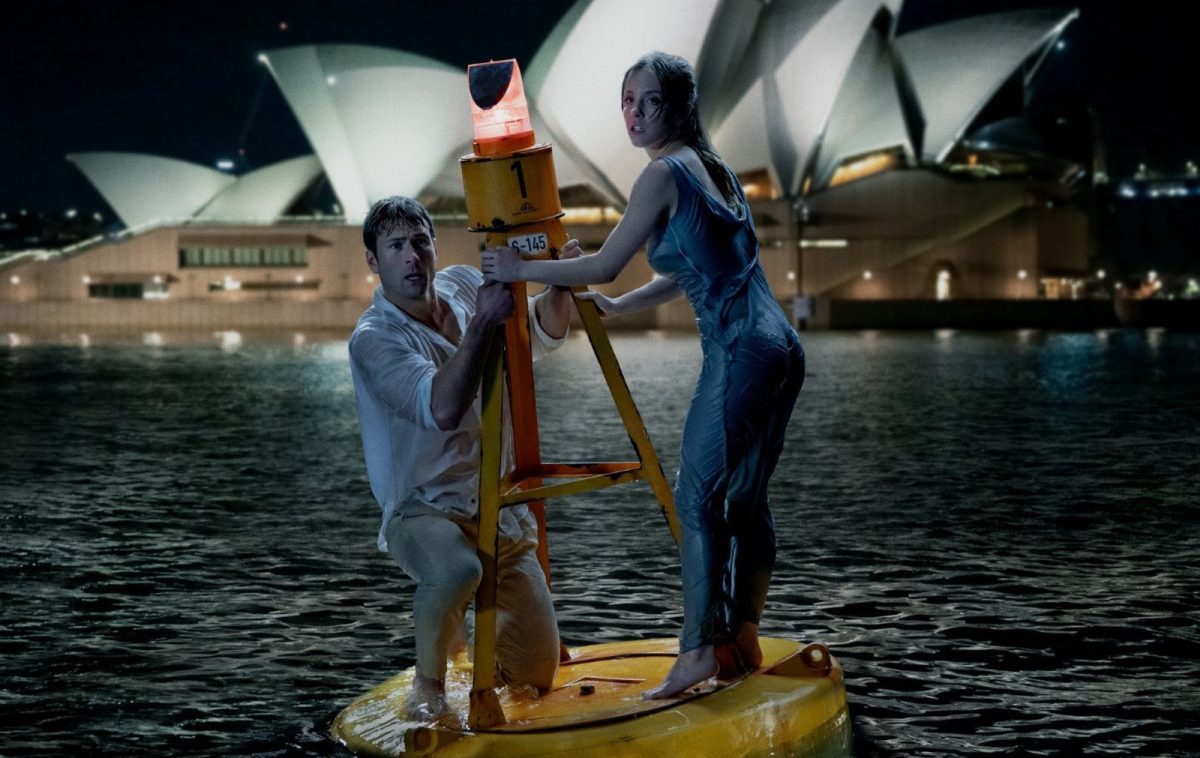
[996, 533]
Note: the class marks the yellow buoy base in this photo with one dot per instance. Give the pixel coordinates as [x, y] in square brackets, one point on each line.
[792, 705]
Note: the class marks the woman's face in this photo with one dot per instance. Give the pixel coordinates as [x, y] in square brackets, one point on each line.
[642, 106]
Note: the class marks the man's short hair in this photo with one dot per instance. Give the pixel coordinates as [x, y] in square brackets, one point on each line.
[391, 211]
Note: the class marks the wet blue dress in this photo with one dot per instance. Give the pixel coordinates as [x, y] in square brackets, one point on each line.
[751, 374]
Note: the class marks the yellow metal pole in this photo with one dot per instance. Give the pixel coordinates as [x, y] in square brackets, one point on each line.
[485, 710]
[617, 387]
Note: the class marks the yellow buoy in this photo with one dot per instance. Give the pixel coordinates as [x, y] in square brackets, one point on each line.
[795, 704]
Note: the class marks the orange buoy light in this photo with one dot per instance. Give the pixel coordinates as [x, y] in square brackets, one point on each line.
[499, 113]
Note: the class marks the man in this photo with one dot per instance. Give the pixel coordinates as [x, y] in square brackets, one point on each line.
[417, 358]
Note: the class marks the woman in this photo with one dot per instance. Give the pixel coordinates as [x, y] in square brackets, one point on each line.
[689, 211]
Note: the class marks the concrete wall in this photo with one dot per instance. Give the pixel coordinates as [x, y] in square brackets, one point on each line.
[53, 293]
[964, 314]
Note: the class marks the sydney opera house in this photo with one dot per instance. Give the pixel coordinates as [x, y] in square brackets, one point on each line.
[874, 175]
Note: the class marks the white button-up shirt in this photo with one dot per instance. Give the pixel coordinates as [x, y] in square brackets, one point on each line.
[393, 358]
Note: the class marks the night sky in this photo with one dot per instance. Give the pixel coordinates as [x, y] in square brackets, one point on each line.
[181, 79]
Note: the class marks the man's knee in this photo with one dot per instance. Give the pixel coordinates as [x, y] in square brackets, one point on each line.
[459, 578]
[533, 661]
[536, 671]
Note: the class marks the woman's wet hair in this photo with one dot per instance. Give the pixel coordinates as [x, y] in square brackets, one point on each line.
[677, 81]
[390, 212]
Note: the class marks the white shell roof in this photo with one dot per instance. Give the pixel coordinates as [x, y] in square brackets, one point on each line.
[791, 86]
[147, 189]
[958, 66]
[575, 77]
[804, 50]
[868, 115]
[144, 189]
[264, 194]
[382, 122]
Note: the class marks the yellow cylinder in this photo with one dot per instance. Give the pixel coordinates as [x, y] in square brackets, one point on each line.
[510, 190]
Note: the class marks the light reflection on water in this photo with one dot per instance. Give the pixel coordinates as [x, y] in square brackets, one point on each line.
[996, 533]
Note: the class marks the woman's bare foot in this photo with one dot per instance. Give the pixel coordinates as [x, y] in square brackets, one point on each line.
[746, 640]
[427, 700]
[729, 661]
[690, 669]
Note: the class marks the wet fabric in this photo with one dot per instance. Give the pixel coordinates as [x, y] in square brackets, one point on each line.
[752, 370]
[393, 358]
[438, 551]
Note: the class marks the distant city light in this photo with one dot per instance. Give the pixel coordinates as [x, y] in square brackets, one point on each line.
[1022, 274]
[224, 164]
[262, 58]
[72, 213]
[1152, 276]
[97, 216]
[283, 27]
[867, 275]
[331, 80]
[1061, 45]
[1100, 274]
[230, 340]
[823, 243]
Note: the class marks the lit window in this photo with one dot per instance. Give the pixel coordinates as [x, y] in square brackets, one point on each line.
[943, 285]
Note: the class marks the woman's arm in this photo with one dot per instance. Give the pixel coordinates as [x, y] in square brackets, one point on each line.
[652, 196]
[552, 307]
[657, 291]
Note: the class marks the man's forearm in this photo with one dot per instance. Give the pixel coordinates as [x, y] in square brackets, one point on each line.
[553, 310]
[457, 381]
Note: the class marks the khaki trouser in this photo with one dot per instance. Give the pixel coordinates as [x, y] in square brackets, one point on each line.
[438, 551]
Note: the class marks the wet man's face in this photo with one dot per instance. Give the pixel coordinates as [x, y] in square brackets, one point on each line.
[405, 258]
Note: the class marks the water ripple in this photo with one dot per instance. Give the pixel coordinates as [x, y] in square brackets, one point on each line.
[994, 532]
